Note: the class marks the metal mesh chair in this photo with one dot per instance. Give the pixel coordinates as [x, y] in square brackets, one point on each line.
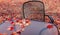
[35, 10]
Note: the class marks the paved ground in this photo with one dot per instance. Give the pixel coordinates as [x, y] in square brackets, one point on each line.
[34, 29]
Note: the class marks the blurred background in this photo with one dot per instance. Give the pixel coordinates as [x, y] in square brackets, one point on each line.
[13, 8]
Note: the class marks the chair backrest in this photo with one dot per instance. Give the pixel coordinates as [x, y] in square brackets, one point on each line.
[34, 10]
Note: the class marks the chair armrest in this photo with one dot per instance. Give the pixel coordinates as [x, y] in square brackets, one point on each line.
[51, 19]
